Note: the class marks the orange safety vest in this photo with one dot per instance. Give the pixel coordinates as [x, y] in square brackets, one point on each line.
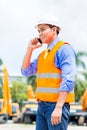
[49, 77]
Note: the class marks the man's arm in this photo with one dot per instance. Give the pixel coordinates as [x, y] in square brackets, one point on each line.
[66, 62]
[57, 113]
[31, 46]
[27, 58]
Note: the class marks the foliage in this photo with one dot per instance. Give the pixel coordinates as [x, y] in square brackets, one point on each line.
[1, 62]
[79, 59]
[1, 93]
[81, 75]
[1, 81]
[31, 80]
[19, 90]
[84, 73]
[79, 88]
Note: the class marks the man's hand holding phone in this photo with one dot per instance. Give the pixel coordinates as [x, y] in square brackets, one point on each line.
[33, 44]
[39, 40]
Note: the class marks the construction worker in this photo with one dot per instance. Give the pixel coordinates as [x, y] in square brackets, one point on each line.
[55, 75]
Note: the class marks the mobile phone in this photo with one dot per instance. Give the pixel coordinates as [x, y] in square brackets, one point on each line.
[39, 40]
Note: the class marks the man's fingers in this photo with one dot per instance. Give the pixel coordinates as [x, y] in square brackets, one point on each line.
[55, 121]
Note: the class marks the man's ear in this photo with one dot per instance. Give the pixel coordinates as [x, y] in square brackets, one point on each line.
[53, 29]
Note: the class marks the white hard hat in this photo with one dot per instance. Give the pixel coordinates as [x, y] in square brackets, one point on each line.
[48, 19]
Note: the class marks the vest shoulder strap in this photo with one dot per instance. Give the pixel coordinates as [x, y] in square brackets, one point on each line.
[58, 45]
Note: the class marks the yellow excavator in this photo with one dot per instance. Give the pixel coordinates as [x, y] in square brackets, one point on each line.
[30, 91]
[78, 113]
[28, 114]
[84, 101]
[7, 108]
[30, 108]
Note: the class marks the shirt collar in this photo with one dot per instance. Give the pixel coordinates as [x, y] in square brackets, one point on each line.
[53, 43]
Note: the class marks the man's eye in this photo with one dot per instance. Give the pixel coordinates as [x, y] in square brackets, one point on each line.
[41, 30]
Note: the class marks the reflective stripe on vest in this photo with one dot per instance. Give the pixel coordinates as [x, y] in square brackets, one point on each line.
[50, 90]
[49, 75]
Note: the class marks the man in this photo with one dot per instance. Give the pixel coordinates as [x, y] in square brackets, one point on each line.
[55, 76]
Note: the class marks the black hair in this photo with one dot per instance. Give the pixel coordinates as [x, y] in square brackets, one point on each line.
[57, 30]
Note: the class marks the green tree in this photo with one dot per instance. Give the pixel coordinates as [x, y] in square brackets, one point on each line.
[1, 62]
[1, 93]
[80, 85]
[79, 59]
[31, 80]
[19, 90]
[79, 88]
[84, 73]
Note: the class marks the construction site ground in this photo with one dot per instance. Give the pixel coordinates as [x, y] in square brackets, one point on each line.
[15, 126]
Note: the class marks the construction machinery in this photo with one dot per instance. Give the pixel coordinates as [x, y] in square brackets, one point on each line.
[28, 114]
[84, 101]
[30, 109]
[7, 108]
[78, 111]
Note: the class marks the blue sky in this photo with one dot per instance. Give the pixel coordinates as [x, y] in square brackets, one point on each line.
[17, 21]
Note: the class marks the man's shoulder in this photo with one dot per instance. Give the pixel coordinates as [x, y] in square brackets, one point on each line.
[66, 45]
[66, 49]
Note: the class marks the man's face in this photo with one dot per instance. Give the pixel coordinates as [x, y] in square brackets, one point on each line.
[45, 33]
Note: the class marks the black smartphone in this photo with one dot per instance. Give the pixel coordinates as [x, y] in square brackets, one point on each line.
[39, 40]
